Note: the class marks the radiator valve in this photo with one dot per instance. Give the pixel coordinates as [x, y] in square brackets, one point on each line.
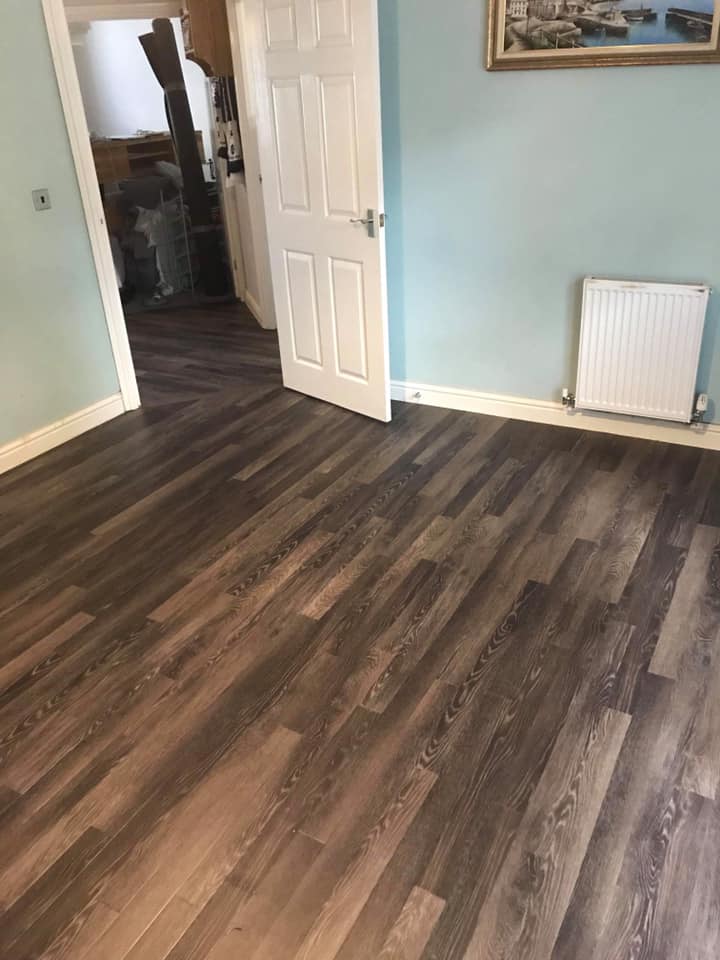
[568, 398]
[701, 405]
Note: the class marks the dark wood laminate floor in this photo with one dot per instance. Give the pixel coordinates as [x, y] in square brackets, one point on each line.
[279, 682]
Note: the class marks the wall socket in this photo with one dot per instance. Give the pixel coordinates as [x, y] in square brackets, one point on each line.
[41, 199]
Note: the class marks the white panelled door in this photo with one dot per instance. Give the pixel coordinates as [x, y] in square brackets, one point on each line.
[321, 156]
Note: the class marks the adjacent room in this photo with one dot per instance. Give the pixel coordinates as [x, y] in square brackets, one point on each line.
[163, 125]
[359, 480]
[142, 184]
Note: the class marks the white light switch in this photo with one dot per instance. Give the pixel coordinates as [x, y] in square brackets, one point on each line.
[41, 199]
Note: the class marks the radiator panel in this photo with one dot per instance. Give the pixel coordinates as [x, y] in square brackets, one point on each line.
[640, 347]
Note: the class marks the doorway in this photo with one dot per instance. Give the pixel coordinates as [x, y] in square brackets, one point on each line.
[166, 159]
[309, 94]
[151, 214]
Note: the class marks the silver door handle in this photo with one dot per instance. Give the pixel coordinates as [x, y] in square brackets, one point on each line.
[372, 221]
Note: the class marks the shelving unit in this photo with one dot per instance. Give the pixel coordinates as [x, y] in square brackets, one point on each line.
[124, 157]
[206, 36]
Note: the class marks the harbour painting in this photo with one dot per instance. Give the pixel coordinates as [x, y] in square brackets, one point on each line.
[574, 33]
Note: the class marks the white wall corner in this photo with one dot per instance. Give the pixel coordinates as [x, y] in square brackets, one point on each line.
[46, 438]
[554, 413]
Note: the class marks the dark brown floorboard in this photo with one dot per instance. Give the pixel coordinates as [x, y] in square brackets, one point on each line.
[281, 683]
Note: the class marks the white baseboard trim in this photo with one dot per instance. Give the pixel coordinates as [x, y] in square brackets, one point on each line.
[40, 441]
[548, 411]
[254, 308]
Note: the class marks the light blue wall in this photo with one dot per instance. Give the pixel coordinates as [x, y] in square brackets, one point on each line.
[55, 356]
[504, 190]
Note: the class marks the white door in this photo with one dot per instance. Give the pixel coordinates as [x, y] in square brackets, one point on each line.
[318, 82]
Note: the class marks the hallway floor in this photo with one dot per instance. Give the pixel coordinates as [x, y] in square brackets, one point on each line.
[280, 682]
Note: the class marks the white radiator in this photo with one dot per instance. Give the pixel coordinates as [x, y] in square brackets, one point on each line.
[639, 348]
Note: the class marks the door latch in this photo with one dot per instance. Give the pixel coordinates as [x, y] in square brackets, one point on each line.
[373, 221]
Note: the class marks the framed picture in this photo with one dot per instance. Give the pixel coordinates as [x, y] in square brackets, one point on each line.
[524, 34]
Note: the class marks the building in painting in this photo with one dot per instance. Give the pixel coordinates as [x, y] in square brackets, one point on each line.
[543, 9]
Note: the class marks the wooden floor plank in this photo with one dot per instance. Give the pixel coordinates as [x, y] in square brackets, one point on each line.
[523, 915]
[412, 929]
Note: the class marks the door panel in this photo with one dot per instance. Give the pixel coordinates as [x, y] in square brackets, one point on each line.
[291, 149]
[280, 25]
[332, 22]
[321, 159]
[348, 299]
[340, 146]
[303, 305]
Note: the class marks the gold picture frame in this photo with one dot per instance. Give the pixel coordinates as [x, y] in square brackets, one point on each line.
[530, 34]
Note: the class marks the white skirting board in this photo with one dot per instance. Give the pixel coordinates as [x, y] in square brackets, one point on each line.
[548, 411]
[40, 441]
[254, 308]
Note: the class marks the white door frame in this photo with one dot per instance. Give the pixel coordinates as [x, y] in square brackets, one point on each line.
[243, 52]
[74, 110]
[80, 10]
[57, 17]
